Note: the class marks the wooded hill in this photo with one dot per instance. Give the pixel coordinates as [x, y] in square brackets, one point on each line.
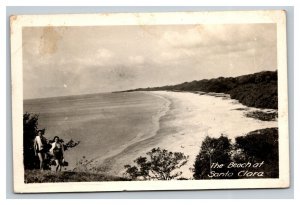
[255, 90]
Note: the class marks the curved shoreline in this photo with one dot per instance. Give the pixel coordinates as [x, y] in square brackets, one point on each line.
[189, 120]
[108, 164]
[181, 126]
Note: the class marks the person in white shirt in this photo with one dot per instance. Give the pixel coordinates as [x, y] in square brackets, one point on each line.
[39, 143]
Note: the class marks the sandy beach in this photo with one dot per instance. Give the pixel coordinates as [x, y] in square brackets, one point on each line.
[189, 119]
[116, 128]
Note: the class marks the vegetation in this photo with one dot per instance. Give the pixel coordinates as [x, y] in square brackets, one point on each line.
[264, 116]
[88, 165]
[30, 128]
[254, 90]
[258, 147]
[255, 147]
[30, 123]
[212, 150]
[36, 176]
[160, 165]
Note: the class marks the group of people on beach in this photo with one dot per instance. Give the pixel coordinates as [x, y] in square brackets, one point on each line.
[43, 151]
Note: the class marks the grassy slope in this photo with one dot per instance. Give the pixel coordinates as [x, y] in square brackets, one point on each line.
[36, 176]
[254, 90]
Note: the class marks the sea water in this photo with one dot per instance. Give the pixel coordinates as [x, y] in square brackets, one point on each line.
[105, 123]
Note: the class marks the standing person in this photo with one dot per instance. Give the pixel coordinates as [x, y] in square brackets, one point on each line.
[57, 151]
[39, 145]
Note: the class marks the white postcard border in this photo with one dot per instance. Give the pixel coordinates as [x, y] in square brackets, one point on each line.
[228, 17]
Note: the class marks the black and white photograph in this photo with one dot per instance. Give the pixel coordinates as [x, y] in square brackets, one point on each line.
[149, 101]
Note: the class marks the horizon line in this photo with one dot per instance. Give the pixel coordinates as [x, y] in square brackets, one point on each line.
[116, 91]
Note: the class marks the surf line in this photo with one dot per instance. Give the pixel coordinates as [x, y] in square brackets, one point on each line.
[140, 138]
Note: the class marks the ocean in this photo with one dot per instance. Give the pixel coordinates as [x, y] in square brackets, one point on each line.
[105, 123]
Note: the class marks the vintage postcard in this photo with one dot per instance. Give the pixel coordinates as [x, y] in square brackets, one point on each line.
[149, 101]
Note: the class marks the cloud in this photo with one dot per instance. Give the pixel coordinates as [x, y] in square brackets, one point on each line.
[176, 54]
[103, 53]
[100, 57]
[212, 35]
[201, 42]
[136, 59]
[188, 38]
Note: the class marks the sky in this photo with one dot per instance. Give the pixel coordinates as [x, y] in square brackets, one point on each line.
[60, 61]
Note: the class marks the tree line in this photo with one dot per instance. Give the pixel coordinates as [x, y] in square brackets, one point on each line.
[255, 90]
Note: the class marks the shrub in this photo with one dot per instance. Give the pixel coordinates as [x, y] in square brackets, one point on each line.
[258, 146]
[255, 147]
[30, 125]
[159, 164]
[213, 150]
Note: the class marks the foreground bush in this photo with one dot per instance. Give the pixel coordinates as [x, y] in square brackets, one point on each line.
[259, 147]
[212, 150]
[159, 164]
